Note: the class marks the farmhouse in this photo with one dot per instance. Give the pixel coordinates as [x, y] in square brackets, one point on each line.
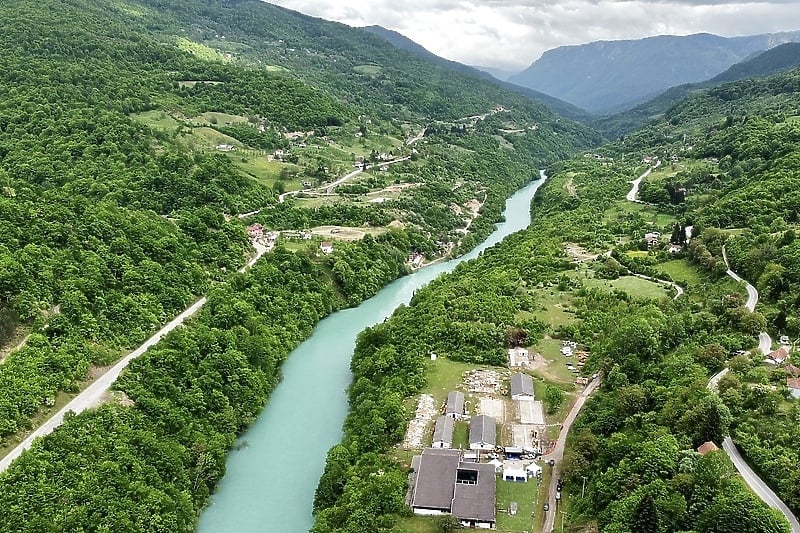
[443, 432]
[446, 485]
[521, 386]
[455, 405]
[482, 433]
[518, 357]
[256, 231]
[779, 355]
[652, 239]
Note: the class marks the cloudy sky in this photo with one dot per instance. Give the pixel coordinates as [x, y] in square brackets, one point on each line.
[514, 33]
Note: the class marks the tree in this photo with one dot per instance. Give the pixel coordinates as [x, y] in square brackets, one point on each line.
[553, 398]
[645, 516]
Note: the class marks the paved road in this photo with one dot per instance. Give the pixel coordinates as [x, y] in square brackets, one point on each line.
[631, 197]
[757, 484]
[764, 340]
[558, 454]
[95, 393]
[714, 381]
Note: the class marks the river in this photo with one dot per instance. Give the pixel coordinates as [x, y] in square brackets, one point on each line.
[274, 469]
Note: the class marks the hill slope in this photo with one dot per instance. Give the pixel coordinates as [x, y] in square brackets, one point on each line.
[404, 43]
[767, 63]
[607, 76]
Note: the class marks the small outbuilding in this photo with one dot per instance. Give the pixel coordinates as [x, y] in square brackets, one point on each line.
[707, 447]
[455, 405]
[794, 387]
[482, 433]
[521, 386]
[326, 247]
[443, 432]
[780, 355]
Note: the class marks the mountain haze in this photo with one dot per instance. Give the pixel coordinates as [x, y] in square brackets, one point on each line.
[402, 42]
[604, 77]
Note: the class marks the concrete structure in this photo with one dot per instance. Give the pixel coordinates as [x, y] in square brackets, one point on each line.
[521, 386]
[482, 433]
[519, 357]
[443, 432]
[455, 404]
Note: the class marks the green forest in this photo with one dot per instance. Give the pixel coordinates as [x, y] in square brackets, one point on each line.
[138, 141]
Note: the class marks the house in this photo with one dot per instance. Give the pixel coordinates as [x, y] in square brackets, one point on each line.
[455, 405]
[794, 387]
[518, 357]
[521, 386]
[482, 433]
[652, 239]
[675, 248]
[513, 452]
[326, 248]
[443, 432]
[446, 485]
[792, 370]
[306, 234]
[514, 471]
[779, 356]
[707, 447]
[256, 231]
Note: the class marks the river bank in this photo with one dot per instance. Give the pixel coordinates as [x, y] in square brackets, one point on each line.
[273, 472]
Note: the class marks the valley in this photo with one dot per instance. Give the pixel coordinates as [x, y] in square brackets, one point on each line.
[236, 238]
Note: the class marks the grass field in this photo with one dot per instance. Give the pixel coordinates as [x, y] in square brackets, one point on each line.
[527, 497]
[681, 271]
[368, 70]
[200, 50]
[637, 287]
[649, 214]
[219, 119]
[443, 376]
[158, 120]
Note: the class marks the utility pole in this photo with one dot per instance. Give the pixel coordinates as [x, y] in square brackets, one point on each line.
[583, 488]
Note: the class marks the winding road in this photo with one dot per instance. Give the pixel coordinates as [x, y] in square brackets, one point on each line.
[95, 393]
[558, 454]
[634, 192]
[764, 340]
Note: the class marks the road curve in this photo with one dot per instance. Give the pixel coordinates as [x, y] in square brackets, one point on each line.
[757, 485]
[764, 340]
[558, 453]
[678, 288]
[631, 196]
[94, 394]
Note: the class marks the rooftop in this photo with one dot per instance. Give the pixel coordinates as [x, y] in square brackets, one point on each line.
[482, 430]
[475, 500]
[443, 432]
[521, 384]
[436, 478]
[455, 403]
[707, 447]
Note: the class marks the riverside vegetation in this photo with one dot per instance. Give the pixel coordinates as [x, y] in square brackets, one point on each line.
[635, 441]
[118, 209]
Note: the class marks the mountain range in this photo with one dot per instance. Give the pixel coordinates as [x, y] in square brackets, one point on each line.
[605, 77]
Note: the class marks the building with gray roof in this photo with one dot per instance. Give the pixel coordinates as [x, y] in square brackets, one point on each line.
[482, 433]
[455, 404]
[521, 386]
[443, 432]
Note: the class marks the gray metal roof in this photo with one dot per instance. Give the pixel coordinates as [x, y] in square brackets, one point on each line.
[455, 403]
[436, 479]
[476, 501]
[443, 432]
[521, 384]
[482, 430]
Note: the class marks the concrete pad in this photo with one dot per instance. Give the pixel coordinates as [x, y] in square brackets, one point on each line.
[530, 411]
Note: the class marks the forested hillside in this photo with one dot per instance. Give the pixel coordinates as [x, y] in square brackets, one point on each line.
[727, 167]
[137, 142]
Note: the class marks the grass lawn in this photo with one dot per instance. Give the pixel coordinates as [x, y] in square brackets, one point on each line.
[219, 119]
[158, 120]
[200, 50]
[267, 172]
[444, 376]
[207, 139]
[461, 435]
[527, 497]
[555, 304]
[369, 70]
[556, 371]
[681, 271]
[417, 524]
[649, 214]
[634, 286]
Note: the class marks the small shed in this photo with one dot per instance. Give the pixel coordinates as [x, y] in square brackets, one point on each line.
[326, 247]
[443, 432]
[455, 404]
[780, 355]
[521, 386]
[482, 433]
[707, 447]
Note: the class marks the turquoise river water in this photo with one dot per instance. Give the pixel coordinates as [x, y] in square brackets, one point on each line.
[273, 471]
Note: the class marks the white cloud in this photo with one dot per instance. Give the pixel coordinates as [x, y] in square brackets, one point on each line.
[513, 33]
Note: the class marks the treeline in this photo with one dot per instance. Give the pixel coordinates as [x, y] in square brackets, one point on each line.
[150, 462]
